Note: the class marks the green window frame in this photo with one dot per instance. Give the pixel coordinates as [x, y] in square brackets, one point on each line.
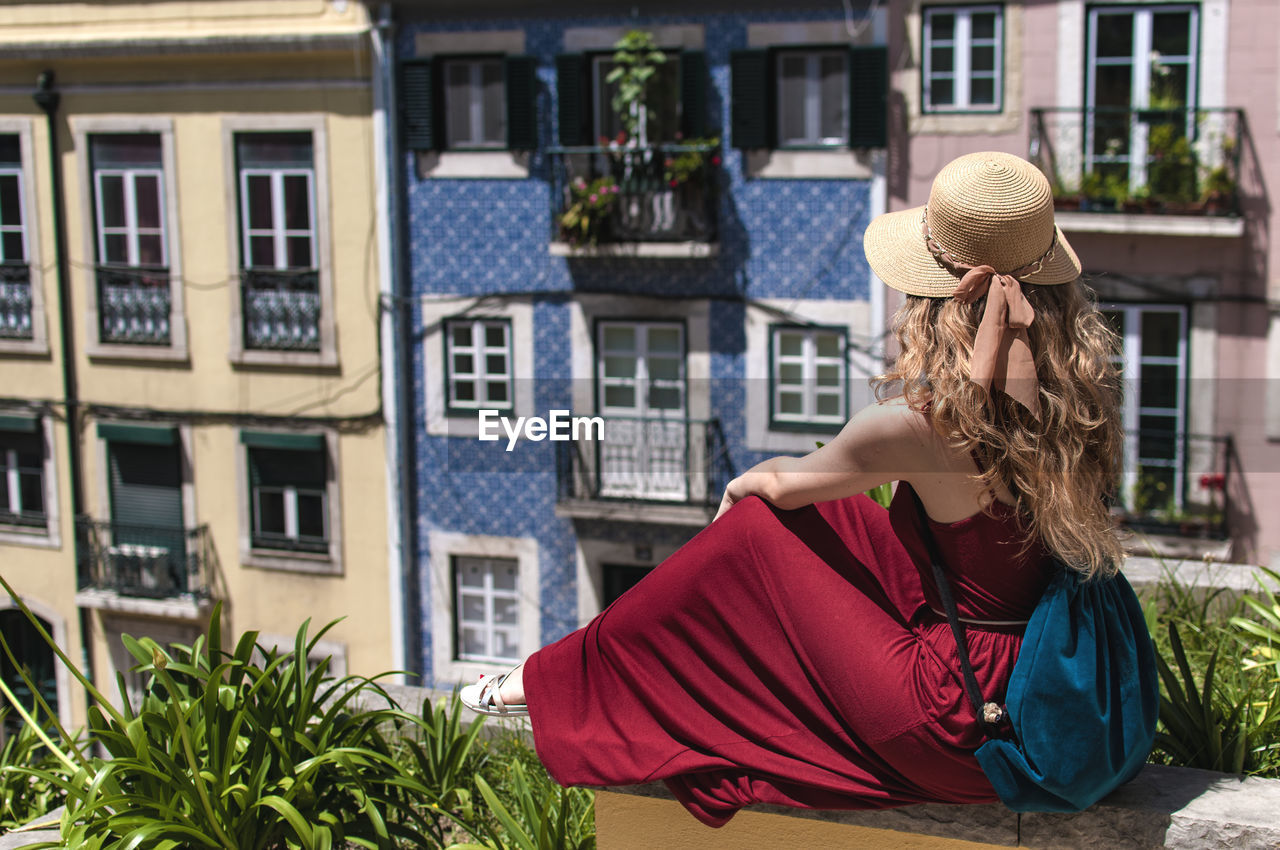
[478, 368]
[288, 492]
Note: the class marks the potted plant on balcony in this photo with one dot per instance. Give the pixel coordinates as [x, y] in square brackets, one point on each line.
[1172, 172]
[586, 216]
[1219, 191]
[636, 57]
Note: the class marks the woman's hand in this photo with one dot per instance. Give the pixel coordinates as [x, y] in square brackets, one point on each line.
[734, 492]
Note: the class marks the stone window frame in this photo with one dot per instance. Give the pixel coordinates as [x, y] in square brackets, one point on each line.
[50, 536]
[39, 342]
[82, 127]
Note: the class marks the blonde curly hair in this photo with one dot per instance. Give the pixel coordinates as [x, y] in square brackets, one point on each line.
[1061, 468]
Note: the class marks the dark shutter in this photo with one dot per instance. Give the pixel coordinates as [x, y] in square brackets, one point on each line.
[420, 108]
[869, 97]
[286, 467]
[522, 92]
[693, 93]
[146, 504]
[751, 99]
[574, 112]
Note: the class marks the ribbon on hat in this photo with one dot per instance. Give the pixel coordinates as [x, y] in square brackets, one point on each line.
[1001, 349]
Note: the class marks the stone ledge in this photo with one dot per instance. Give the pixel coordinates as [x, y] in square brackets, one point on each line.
[1163, 807]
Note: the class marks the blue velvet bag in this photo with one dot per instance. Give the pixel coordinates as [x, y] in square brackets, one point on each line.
[1080, 711]
[1082, 700]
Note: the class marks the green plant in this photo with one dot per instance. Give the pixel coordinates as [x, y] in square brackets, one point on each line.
[446, 759]
[590, 205]
[536, 814]
[636, 59]
[1171, 173]
[247, 748]
[26, 765]
[688, 163]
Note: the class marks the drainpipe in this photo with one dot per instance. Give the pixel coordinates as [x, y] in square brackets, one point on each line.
[397, 354]
[47, 98]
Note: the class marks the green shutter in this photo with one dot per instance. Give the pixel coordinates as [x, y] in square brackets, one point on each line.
[693, 93]
[522, 92]
[141, 435]
[751, 123]
[869, 97]
[277, 440]
[283, 468]
[16, 422]
[146, 494]
[574, 111]
[420, 108]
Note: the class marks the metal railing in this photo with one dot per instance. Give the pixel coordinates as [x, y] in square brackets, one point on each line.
[650, 459]
[134, 305]
[1161, 160]
[658, 193]
[141, 560]
[1176, 483]
[281, 309]
[15, 301]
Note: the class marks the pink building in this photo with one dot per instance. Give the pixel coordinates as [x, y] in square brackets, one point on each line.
[1157, 123]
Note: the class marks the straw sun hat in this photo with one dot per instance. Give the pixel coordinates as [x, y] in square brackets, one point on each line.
[992, 209]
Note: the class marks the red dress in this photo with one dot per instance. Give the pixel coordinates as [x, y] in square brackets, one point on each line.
[792, 657]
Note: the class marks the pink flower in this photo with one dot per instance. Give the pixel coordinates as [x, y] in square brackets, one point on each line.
[592, 199]
[613, 189]
[715, 160]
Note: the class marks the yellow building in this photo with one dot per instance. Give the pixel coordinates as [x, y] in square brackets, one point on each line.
[201, 417]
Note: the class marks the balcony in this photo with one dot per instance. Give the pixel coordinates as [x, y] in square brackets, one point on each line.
[137, 562]
[646, 470]
[1171, 171]
[281, 309]
[134, 305]
[15, 301]
[654, 201]
[1176, 493]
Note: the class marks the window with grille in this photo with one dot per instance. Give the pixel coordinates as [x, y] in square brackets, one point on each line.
[289, 499]
[963, 58]
[478, 364]
[22, 486]
[808, 377]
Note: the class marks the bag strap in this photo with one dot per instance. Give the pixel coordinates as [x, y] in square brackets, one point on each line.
[990, 715]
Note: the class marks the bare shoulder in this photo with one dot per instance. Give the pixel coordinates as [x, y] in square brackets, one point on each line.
[893, 432]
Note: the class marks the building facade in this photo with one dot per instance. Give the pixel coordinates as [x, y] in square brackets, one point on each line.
[189, 330]
[676, 291]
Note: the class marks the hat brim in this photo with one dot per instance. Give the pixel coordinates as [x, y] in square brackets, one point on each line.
[896, 251]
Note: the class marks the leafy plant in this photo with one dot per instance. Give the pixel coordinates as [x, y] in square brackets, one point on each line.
[446, 759]
[636, 58]
[25, 764]
[227, 752]
[537, 814]
[1172, 172]
[688, 164]
[585, 217]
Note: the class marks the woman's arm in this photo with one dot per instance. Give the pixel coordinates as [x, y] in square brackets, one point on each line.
[883, 442]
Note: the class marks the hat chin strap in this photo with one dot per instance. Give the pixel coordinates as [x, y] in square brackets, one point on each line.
[1001, 349]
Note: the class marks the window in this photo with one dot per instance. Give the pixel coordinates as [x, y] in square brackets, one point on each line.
[289, 492]
[478, 360]
[15, 275]
[487, 599]
[278, 241]
[470, 102]
[963, 58]
[34, 658]
[133, 296]
[809, 97]
[807, 371]
[677, 101]
[1153, 364]
[475, 103]
[22, 470]
[640, 373]
[813, 98]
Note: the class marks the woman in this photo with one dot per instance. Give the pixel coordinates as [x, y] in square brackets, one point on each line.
[795, 651]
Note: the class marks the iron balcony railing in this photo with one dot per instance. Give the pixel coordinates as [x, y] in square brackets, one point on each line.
[651, 459]
[134, 305]
[658, 193]
[1176, 483]
[1159, 160]
[142, 560]
[15, 301]
[281, 309]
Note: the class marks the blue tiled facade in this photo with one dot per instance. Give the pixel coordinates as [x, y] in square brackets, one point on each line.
[778, 239]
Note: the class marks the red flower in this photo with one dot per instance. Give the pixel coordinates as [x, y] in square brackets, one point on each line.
[715, 160]
[674, 182]
[1213, 481]
[621, 138]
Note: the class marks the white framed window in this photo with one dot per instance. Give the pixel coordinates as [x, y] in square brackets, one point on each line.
[290, 501]
[813, 97]
[478, 360]
[1140, 58]
[284, 314]
[485, 612]
[475, 97]
[16, 315]
[808, 372]
[662, 110]
[22, 487]
[963, 49]
[487, 608]
[1153, 365]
